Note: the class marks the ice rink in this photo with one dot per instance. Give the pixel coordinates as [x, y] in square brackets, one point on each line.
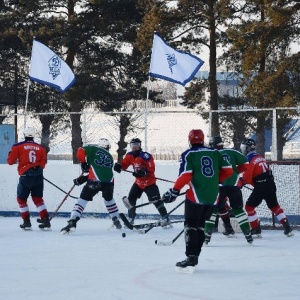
[95, 262]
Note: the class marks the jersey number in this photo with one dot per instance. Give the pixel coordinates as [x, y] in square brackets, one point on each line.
[264, 166]
[32, 156]
[103, 160]
[207, 166]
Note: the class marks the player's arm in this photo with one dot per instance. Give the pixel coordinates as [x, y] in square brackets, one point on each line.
[81, 155]
[243, 167]
[182, 180]
[12, 155]
[124, 164]
[247, 177]
[225, 169]
[224, 173]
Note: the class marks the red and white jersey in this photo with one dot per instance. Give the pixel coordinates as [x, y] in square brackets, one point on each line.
[257, 166]
[28, 154]
[144, 161]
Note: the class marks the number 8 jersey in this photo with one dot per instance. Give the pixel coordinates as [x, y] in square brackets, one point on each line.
[202, 169]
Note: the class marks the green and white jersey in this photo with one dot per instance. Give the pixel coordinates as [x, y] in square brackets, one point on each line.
[236, 159]
[201, 168]
[101, 162]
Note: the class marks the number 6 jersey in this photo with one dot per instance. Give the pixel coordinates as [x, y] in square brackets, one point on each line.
[29, 154]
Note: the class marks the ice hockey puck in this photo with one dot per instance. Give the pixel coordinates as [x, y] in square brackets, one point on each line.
[123, 234]
[155, 241]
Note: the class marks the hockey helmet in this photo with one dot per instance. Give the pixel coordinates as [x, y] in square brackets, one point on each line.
[104, 143]
[29, 132]
[216, 142]
[136, 143]
[196, 136]
[247, 146]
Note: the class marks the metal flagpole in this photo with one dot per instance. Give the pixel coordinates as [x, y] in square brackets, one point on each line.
[146, 115]
[27, 94]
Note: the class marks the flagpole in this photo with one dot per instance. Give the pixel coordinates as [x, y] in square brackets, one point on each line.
[27, 94]
[146, 115]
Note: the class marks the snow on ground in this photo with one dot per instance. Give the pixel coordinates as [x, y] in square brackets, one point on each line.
[97, 263]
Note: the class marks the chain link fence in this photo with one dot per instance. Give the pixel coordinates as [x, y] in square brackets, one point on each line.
[165, 135]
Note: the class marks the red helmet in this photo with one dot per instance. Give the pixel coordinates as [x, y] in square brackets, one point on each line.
[196, 136]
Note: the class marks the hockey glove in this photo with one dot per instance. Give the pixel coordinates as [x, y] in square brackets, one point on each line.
[140, 173]
[118, 167]
[170, 196]
[85, 167]
[80, 180]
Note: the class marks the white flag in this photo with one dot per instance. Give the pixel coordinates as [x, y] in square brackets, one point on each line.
[172, 65]
[48, 68]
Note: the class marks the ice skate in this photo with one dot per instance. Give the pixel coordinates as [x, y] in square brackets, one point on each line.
[71, 227]
[256, 232]
[248, 237]
[165, 223]
[117, 222]
[126, 202]
[288, 231]
[229, 232]
[188, 265]
[44, 224]
[207, 237]
[26, 224]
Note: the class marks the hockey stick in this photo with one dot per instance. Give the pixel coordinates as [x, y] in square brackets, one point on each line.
[152, 202]
[165, 216]
[141, 228]
[61, 203]
[59, 188]
[162, 243]
[166, 180]
[151, 225]
[158, 223]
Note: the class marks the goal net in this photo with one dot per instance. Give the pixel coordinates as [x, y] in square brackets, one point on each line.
[287, 179]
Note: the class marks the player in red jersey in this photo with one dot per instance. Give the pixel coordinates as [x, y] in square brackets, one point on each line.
[32, 158]
[144, 168]
[260, 177]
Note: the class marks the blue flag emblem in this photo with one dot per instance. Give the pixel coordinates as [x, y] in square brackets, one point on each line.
[171, 61]
[54, 66]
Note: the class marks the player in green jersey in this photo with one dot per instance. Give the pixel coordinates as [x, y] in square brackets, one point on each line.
[230, 190]
[98, 163]
[202, 169]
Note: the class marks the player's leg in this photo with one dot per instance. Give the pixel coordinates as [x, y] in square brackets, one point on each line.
[134, 194]
[23, 192]
[236, 202]
[86, 195]
[194, 224]
[37, 190]
[110, 203]
[153, 194]
[253, 201]
[277, 210]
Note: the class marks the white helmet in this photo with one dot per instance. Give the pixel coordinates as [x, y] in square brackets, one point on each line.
[29, 132]
[104, 143]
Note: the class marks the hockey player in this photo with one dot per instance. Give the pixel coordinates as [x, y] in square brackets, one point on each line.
[260, 177]
[144, 168]
[98, 163]
[32, 158]
[230, 191]
[202, 169]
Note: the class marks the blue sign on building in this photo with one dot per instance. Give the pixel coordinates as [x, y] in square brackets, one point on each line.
[7, 139]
